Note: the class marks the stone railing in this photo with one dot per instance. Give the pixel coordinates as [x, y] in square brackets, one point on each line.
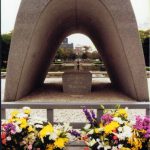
[51, 106]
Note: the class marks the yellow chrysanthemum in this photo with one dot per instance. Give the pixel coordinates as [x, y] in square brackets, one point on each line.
[23, 123]
[135, 142]
[133, 148]
[49, 147]
[14, 113]
[124, 148]
[111, 126]
[12, 120]
[96, 130]
[46, 131]
[58, 132]
[30, 129]
[27, 110]
[60, 142]
[121, 112]
[101, 125]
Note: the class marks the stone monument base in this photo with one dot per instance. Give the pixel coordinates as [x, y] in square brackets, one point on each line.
[77, 82]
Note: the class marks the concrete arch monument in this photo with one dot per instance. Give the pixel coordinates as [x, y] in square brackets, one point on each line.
[41, 25]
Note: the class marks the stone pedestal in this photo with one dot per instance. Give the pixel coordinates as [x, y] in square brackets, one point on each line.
[77, 82]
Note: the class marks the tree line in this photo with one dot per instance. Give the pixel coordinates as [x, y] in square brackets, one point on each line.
[69, 54]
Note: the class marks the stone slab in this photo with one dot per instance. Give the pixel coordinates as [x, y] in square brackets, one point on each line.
[77, 82]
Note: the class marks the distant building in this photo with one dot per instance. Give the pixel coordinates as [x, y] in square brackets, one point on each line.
[66, 45]
[79, 50]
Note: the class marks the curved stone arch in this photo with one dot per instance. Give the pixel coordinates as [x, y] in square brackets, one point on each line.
[41, 25]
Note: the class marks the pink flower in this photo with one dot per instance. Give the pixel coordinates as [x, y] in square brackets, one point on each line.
[146, 123]
[139, 123]
[13, 132]
[30, 147]
[147, 134]
[24, 142]
[107, 118]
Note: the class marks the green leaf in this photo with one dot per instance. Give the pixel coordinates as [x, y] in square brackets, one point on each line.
[117, 106]
[102, 107]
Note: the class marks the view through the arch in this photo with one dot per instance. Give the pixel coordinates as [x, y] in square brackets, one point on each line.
[74, 54]
[77, 53]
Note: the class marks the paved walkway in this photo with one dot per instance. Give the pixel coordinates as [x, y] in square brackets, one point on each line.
[54, 91]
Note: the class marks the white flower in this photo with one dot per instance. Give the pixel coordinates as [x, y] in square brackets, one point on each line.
[53, 136]
[71, 137]
[92, 142]
[58, 127]
[107, 147]
[114, 148]
[67, 127]
[91, 132]
[120, 129]
[26, 108]
[87, 126]
[126, 108]
[119, 120]
[18, 130]
[8, 138]
[120, 146]
[127, 131]
[98, 140]
[38, 126]
[3, 121]
[99, 146]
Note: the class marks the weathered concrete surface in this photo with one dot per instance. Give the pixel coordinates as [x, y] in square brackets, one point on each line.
[77, 82]
[41, 25]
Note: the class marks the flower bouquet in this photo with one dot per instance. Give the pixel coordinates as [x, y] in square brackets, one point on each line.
[20, 132]
[52, 137]
[114, 131]
[16, 132]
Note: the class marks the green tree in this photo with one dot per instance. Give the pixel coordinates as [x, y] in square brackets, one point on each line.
[65, 54]
[144, 34]
[5, 41]
[145, 39]
[146, 48]
[84, 55]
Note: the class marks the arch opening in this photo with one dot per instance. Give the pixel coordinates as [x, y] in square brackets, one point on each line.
[101, 85]
[66, 58]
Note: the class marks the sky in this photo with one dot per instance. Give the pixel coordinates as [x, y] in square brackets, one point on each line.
[9, 9]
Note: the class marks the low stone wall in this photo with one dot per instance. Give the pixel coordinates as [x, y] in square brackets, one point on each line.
[77, 82]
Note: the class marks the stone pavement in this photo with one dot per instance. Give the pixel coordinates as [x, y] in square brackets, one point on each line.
[56, 95]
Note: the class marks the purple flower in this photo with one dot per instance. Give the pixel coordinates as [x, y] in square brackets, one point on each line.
[88, 115]
[139, 123]
[93, 114]
[107, 118]
[146, 123]
[75, 133]
[147, 134]
[10, 128]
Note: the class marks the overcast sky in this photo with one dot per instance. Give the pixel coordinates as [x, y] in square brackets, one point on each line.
[9, 9]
